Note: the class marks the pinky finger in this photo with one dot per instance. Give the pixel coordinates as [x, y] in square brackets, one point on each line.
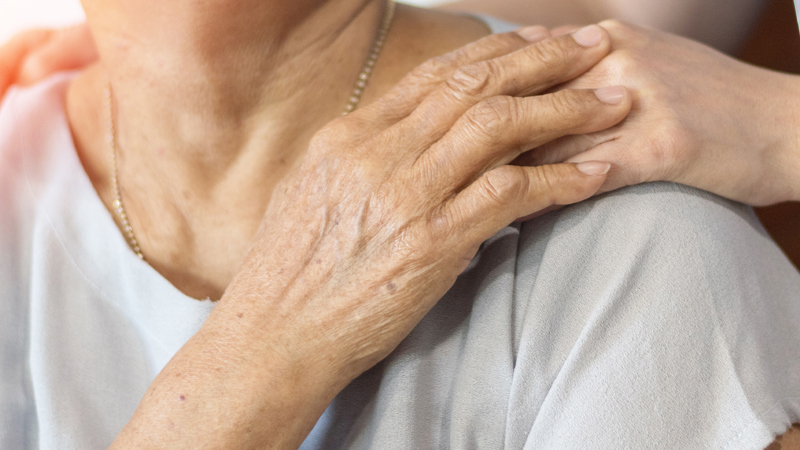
[506, 193]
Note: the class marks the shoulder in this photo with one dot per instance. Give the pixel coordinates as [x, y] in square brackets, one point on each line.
[31, 132]
[32, 125]
[34, 139]
[665, 308]
[683, 233]
[29, 108]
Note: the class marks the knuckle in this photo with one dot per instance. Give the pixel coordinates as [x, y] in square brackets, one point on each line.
[471, 80]
[434, 69]
[663, 154]
[546, 180]
[440, 67]
[494, 44]
[570, 106]
[331, 135]
[322, 139]
[494, 116]
[550, 54]
[504, 185]
[442, 222]
[34, 69]
[625, 60]
[669, 149]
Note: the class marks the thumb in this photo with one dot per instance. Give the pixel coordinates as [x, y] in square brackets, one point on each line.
[506, 193]
[68, 49]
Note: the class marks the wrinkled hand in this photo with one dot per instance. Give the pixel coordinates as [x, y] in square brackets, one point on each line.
[31, 56]
[389, 206]
[394, 200]
[699, 118]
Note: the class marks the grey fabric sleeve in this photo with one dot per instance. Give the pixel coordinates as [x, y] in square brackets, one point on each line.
[659, 316]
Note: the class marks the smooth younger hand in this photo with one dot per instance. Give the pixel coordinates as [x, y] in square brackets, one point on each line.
[699, 118]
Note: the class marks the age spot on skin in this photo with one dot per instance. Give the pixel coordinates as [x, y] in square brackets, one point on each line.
[240, 315]
[391, 287]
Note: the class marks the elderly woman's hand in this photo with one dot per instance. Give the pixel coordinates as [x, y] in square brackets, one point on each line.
[699, 118]
[358, 244]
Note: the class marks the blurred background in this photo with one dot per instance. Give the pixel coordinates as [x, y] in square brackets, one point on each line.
[774, 43]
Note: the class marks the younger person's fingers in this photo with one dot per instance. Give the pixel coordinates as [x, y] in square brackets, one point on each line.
[13, 53]
[68, 49]
[506, 193]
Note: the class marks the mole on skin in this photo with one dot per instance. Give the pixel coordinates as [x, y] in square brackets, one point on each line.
[183, 397]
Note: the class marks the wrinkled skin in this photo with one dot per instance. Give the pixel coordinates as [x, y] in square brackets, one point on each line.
[699, 118]
[388, 207]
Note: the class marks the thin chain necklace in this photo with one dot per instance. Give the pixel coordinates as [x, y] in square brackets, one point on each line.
[352, 104]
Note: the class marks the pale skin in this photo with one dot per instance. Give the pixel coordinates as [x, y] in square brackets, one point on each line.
[700, 118]
[326, 243]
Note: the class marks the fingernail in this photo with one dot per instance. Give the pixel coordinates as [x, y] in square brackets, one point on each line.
[588, 36]
[594, 168]
[534, 33]
[612, 95]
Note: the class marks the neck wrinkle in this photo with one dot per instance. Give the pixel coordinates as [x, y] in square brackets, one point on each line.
[203, 101]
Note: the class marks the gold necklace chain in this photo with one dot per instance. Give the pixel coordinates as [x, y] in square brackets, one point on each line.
[352, 104]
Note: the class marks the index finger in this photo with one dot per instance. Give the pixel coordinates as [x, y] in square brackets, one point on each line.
[402, 99]
[528, 71]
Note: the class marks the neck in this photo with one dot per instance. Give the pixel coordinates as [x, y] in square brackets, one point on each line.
[213, 103]
[216, 101]
[191, 80]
